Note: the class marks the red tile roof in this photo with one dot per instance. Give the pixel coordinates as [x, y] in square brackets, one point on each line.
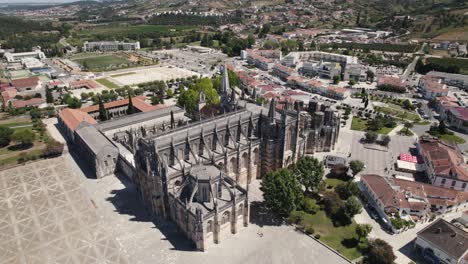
[446, 159]
[25, 82]
[30, 102]
[88, 84]
[73, 117]
[138, 102]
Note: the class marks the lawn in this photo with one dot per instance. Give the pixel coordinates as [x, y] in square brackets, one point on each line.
[101, 62]
[449, 137]
[107, 83]
[361, 125]
[9, 156]
[398, 113]
[114, 30]
[341, 238]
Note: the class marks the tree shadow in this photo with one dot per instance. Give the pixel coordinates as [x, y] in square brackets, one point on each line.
[350, 242]
[127, 201]
[20, 147]
[262, 216]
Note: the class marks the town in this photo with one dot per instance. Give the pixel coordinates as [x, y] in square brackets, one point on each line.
[176, 132]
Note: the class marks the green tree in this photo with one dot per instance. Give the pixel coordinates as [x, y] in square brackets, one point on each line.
[379, 252]
[130, 109]
[250, 41]
[356, 166]
[336, 79]
[385, 140]
[103, 115]
[282, 191]
[49, 96]
[363, 230]
[309, 172]
[408, 126]
[23, 137]
[442, 127]
[371, 136]
[332, 203]
[370, 75]
[352, 207]
[5, 136]
[347, 189]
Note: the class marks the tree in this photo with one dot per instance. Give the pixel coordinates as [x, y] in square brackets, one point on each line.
[103, 115]
[23, 137]
[366, 103]
[155, 100]
[408, 125]
[352, 207]
[250, 41]
[5, 136]
[370, 75]
[347, 189]
[371, 137]
[442, 127]
[130, 109]
[53, 148]
[363, 230]
[282, 191]
[309, 172]
[332, 203]
[49, 96]
[356, 166]
[380, 252]
[385, 140]
[336, 79]
[169, 93]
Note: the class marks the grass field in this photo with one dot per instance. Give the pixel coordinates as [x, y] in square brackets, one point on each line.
[107, 83]
[9, 156]
[340, 238]
[361, 125]
[398, 112]
[101, 62]
[452, 138]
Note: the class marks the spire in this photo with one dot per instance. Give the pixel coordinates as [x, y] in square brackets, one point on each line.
[272, 111]
[172, 120]
[225, 81]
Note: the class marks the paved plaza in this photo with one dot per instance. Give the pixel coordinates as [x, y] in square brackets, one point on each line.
[50, 212]
[47, 217]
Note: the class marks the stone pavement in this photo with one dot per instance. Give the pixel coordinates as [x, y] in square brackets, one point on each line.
[47, 217]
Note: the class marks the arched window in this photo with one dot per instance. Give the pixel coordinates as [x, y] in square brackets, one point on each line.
[245, 160]
[209, 227]
[240, 211]
[225, 218]
[255, 156]
[233, 165]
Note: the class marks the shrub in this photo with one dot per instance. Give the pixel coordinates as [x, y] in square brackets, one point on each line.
[310, 206]
[317, 236]
[309, 230]
[295, 217]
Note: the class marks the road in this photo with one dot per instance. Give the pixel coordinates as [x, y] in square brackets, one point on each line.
[411, 66]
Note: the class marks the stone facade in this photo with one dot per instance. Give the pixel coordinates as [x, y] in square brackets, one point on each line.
[196, 171]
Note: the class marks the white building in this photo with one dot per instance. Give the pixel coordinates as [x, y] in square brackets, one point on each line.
[110, 46]
[17, 57]
[442, 242]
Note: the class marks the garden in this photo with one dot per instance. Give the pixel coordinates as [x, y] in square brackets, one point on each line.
[23, 139]
[323, 209]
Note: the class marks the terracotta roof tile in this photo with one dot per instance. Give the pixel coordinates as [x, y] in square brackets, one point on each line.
[73, 117]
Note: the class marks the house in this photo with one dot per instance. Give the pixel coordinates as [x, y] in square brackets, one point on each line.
[445, 164]
[442, 242]
[30, 102]
[282, 71]
[457, 118]
[432, 87]
[410, 200]
[26, 86]
[87, 84]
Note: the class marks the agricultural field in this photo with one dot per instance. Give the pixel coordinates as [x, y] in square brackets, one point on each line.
[102, 62]
[121, 31]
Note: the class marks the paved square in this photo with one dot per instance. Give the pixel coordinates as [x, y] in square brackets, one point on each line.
[47, 217]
